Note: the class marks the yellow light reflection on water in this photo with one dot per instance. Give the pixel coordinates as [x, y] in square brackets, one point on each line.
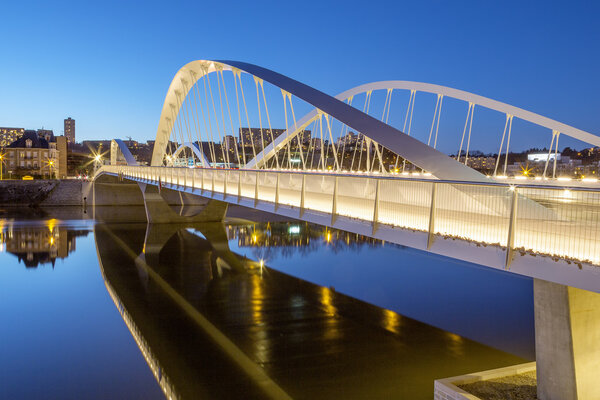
[456, 343]
[391, 321]
[327, 300]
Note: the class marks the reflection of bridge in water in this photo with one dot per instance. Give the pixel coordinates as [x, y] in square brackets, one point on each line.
[212, 324]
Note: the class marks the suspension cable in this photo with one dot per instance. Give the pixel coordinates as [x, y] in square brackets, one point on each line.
[195, 109]
[300, 140]
[211, 141]
[237, 153]
[345, 136]
[179, 124]
[358, 137]
[464, 131]
[312, 144]
[269, 122]
[437, 125]
[201, 144]
[187, 122]
[224, 143]
[262, 136]
[469, 137]
[169, 150]
[501, 144]
[508, 143]
[433, 121]
[216, 114]
[549, 152]
[237, 100]
[248, 121]
[364, 138]
[337, 164]
[287, 131]
[555, 155]
[412, 108]
[410, 100]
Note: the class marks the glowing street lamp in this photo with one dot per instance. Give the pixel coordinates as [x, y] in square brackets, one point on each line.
[1, 162]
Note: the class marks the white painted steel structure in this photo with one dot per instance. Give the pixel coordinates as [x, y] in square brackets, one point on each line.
[500, 218]
[375, 131]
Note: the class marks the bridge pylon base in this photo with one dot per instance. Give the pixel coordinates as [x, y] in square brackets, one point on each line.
[159, 212]
[567, 341]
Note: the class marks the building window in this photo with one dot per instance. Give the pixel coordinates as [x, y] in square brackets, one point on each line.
[28, 143]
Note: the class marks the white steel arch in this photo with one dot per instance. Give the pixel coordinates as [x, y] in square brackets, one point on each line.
[197, 152]
[418, 153]
[439, 164]
[181, 84]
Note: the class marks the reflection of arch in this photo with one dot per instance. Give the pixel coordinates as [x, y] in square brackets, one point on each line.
[418, 153]
[445, 91]
[195, 149]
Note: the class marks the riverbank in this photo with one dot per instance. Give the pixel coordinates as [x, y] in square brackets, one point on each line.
[50, 192]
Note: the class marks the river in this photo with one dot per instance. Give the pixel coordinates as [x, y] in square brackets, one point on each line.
[255, 307]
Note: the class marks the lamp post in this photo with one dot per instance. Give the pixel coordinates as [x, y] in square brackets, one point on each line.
[97, 161]
[51, 167]
[1, 163]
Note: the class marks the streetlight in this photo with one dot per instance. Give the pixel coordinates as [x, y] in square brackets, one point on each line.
[50, 165]
[97, 161]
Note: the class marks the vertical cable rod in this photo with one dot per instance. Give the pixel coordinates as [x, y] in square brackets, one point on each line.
[269, 122]
[508, 143]
[469, 137]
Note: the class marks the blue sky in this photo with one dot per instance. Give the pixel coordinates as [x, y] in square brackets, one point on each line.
[109, 64]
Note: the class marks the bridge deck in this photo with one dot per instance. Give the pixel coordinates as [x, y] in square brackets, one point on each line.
[558, 223]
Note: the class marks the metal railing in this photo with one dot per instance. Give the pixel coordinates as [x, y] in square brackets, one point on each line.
[555, 221]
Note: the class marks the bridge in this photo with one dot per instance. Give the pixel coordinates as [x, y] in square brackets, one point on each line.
[381, 181]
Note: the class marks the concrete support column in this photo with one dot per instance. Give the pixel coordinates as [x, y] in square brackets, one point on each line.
[567, 342]
[159, 212]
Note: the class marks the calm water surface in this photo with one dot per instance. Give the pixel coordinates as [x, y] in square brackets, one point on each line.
[247, 309]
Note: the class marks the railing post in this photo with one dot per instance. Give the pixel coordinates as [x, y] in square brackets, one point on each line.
[226, 175]
[256, 190]
[376, 206]
[432, 215]
[302, 195]
[512, 226]
[194, 178]
[277, 191]
[335, 198]
[185, 173]
[202, 182]
[239, 186]
[214, 177]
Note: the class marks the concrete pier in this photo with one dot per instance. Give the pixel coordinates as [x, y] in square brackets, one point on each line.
[567, 336]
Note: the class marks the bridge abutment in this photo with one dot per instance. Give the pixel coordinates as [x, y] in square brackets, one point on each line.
[567, 341]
